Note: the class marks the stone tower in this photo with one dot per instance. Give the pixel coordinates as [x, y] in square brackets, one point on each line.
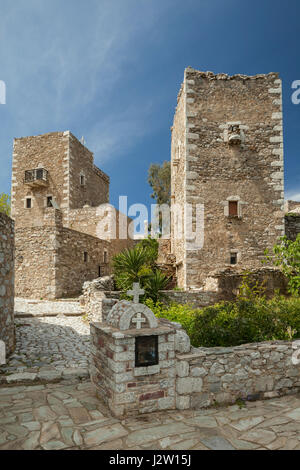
[54, 170]
[56, 195]
[227, 154]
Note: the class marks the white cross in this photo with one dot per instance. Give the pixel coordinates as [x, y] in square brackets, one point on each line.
[138, 320]
[136, 292]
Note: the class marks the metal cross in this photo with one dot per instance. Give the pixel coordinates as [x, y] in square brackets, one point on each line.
[136, 292]
[138, 320]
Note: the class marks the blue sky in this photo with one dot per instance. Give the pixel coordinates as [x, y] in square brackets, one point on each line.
[110, 70]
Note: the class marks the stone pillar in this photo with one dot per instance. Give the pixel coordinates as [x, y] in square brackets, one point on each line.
[7, 328]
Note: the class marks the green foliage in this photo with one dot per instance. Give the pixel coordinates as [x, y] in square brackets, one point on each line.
[5, 203]
[154, 283]
[139, 265]
[131, 265]
[183, 314]
[250, 289]
[159, 178]
[235, 323]
[286, 255]
[150, 245]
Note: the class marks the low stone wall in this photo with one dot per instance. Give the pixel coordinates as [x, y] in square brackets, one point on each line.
[197, 299]
[292, 226]
[7, 328]
[227, 283]
[222, 375]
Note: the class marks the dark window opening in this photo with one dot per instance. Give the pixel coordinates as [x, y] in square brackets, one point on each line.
[82, 180]
[28, 203]
[85, 257]
[99, 271]
[105, 257]
[49, 201]
[146, 351]
[233, 258]
[233, 208]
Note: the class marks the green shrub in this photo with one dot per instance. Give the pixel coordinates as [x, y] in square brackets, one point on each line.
[235, 323]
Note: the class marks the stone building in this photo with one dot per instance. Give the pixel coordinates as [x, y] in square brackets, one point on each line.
[62, 239]
[292, 219]
[227, 157]
[7, 328]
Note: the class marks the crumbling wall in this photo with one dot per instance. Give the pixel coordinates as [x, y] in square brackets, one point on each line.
[292, 226]
[7, 328]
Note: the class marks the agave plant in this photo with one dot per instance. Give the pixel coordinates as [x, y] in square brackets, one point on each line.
[154, 284]
[131, 265]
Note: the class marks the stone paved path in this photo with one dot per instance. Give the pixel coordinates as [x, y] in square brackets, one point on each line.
[48, 345]
[60, 416]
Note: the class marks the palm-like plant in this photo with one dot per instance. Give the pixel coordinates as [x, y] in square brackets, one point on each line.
[154, 284]
[131, 265]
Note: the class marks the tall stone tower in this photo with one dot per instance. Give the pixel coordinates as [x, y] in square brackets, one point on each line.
[227, 154]
[54, 170]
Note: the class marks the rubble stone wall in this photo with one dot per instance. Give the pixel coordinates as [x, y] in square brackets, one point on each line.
[292, 226]
[7, 328]
[222, 375]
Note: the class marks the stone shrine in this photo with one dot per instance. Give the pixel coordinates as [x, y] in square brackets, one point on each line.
[133, 359]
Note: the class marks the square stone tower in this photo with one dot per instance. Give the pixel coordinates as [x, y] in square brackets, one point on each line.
[57, 170]
[227, 155]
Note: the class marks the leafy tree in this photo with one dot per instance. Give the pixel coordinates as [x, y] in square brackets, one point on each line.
[5, 203]
[159, 178]
[286, 255]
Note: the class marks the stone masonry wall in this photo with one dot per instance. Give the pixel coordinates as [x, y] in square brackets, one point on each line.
[7, 328]
[178, 183]
[71, 268]
[35, 262]
[95, 191]
[222, 375]
[216, 172]
[292, 226]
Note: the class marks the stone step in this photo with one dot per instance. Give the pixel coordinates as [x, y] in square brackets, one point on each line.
[44, 376]
[41, 308]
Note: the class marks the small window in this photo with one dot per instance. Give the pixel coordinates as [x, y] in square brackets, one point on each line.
[233, 208]
[99, 271]
[82, 180]
[85, 257]
[105, 257]
[233, 258]
[49, 201]
[28, 203]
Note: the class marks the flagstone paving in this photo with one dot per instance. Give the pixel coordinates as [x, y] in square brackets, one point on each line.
[47, 348]
[60, 416]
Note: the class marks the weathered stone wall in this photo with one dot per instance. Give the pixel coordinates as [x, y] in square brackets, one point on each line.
[226, 283]
[50, 260]
[213, 172]
[292, 206]
[222, 375]
[292, 226]
[95, 191]
[35, 262]
[7, 328]
[178, 183]
[71, 268]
